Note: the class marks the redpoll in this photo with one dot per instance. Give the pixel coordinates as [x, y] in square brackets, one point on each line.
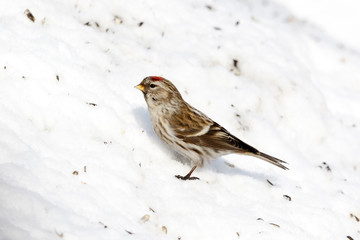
[187, 130]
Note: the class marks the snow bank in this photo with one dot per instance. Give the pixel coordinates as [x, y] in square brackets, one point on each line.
[78, 157]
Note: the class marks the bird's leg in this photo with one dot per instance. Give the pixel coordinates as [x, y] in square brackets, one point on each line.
[187, 177]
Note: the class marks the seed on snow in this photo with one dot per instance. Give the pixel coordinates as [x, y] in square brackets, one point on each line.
[230, 165]
[131, 233]
[354, 216]
[274, 224]
[118, 20]
[164, 229]
[269, 182]
[29, 15]
[145, 218]
[287, 197]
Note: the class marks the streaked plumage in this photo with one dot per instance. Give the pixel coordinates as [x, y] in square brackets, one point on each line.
[187, 130]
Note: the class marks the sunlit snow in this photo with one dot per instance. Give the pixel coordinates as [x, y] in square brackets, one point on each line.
[78, 156]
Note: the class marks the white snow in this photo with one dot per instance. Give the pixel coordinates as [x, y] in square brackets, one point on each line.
[78, 156]
[338, 18]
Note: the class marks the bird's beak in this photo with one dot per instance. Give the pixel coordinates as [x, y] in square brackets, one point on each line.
[140, 87]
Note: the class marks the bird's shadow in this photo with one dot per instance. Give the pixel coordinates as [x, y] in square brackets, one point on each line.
[220, 165]
[143, 119]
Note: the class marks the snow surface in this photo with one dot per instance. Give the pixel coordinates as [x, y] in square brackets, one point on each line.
[338, 18]
[79, 159]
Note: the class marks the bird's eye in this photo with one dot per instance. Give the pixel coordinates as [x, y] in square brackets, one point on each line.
[152, 85]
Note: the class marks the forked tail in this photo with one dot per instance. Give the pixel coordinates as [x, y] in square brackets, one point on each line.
[236, 145]
[270, 159]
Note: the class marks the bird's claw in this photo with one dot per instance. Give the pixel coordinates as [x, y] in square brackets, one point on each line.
[186, 177]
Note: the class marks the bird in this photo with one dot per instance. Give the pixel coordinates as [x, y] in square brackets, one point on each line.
[190, 132]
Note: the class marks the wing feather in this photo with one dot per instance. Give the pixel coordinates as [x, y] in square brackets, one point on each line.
[220, 139]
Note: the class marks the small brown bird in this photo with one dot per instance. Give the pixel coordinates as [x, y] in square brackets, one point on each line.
[187, 130]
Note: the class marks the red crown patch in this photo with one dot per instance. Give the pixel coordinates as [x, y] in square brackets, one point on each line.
[155, 78]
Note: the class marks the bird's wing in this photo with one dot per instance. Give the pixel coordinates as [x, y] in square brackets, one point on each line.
[190, 123]
[192, 126]
[218, 138]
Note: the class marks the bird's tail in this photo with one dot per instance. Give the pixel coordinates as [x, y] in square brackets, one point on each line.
[244, 148]
[270, 159]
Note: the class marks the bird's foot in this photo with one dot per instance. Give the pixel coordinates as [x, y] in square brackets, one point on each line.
[186, 177]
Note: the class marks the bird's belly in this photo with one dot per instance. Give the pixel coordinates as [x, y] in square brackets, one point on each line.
[197, 155]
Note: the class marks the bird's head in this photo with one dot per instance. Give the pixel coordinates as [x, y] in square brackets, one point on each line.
[159, 91]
